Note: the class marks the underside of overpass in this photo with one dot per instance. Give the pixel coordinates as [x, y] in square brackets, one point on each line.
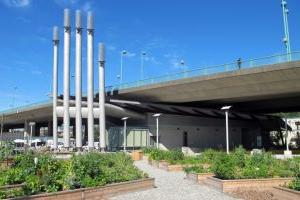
[267, 89]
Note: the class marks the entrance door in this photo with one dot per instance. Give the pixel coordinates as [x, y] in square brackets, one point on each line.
[185, 139]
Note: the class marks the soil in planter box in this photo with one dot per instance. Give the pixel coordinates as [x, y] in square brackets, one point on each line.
[253, 194]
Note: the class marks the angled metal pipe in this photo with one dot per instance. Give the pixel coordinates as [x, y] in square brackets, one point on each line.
[102, 122]
[67, 36]
[54, 82]
[78, 82]
[90, 78]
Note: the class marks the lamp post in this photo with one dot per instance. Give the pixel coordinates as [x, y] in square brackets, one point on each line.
[123, 53]
[286, 39]
[143, 54]
[124, 119]
[157, 115]
[226, 109]
[31, 124]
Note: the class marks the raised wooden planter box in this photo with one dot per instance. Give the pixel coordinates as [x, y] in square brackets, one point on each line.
[286, 194]
[198, 178]
[97, 192]
[258, 184]
[137, 155]
[7, 187]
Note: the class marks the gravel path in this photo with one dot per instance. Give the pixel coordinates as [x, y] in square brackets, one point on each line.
[172, 186]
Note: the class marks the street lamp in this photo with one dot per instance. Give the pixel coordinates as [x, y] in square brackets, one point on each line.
[123, 53]
[157, 115]
[143, 54]
[124, 119]
[182, 63]
[226, 109]
[31, 124]
[286, 39]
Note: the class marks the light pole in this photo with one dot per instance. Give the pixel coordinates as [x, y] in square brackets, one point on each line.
[143, 54]
[31, 124]
[226, 109]
[123, 53]
[286, 39]
[157, 132]
[124, 119]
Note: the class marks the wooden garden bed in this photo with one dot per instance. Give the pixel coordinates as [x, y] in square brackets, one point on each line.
[285, 193]
[198, 177]
[258, 184]
[97, 192]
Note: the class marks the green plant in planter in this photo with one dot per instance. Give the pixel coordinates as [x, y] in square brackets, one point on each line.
[6, 151]
[224, 166]
[147, 150]
[174, 156]
[197, 169]
[209, 155]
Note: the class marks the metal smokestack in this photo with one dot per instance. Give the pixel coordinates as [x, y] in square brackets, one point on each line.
[54, 82]
[90, 78]
[78, 81]
[67, 35]
[102, 120]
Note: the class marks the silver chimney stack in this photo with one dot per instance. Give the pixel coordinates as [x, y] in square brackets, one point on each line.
[67, 35]
[102, 129]
[90, 78]
[78, 82]
[55, 82]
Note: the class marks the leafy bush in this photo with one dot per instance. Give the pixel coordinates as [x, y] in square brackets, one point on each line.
[224, 166]
[209, 155]
[51, 175]
[197, 169]
[147, 150]
[240, 165]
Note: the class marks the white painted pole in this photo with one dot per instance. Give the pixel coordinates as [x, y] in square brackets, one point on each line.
[227, 133]
[157, 131]
[125, 135]
[55, 83]
[90, 77]
[102, 121]
[78, 83]
[287, 135]
[67, 36]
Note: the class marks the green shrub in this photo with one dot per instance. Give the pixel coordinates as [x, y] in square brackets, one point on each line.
[51, 175]
[209, 155]
[197, 169]
[174, 156]
[147, 150]
[224, 166]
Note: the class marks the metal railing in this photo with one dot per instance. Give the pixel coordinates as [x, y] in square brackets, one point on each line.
[204, 71]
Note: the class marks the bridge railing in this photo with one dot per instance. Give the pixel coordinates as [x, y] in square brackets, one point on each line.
[203, 71]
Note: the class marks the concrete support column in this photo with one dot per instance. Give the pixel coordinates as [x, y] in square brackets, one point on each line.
[55, 85]
[67, 36]
[26, 131]
[90, 78]
[102, 121]
[50, 128]
[78, 82]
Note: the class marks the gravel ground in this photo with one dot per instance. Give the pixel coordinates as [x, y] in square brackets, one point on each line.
[172, 186]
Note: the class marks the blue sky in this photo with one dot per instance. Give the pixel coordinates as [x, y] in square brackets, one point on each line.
[200, 32]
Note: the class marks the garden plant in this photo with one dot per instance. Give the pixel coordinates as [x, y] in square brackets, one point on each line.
[52, 175]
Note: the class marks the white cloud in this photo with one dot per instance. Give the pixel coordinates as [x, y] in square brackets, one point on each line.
[17, 3]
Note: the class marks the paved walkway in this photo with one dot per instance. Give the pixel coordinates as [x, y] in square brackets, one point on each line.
[172, 186]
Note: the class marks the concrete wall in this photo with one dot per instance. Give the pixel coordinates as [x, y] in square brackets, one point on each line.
[202, 132]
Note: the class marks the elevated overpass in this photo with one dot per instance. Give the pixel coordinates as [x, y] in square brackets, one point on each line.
[263, 85]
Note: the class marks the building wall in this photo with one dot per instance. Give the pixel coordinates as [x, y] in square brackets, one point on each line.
[202, 132]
